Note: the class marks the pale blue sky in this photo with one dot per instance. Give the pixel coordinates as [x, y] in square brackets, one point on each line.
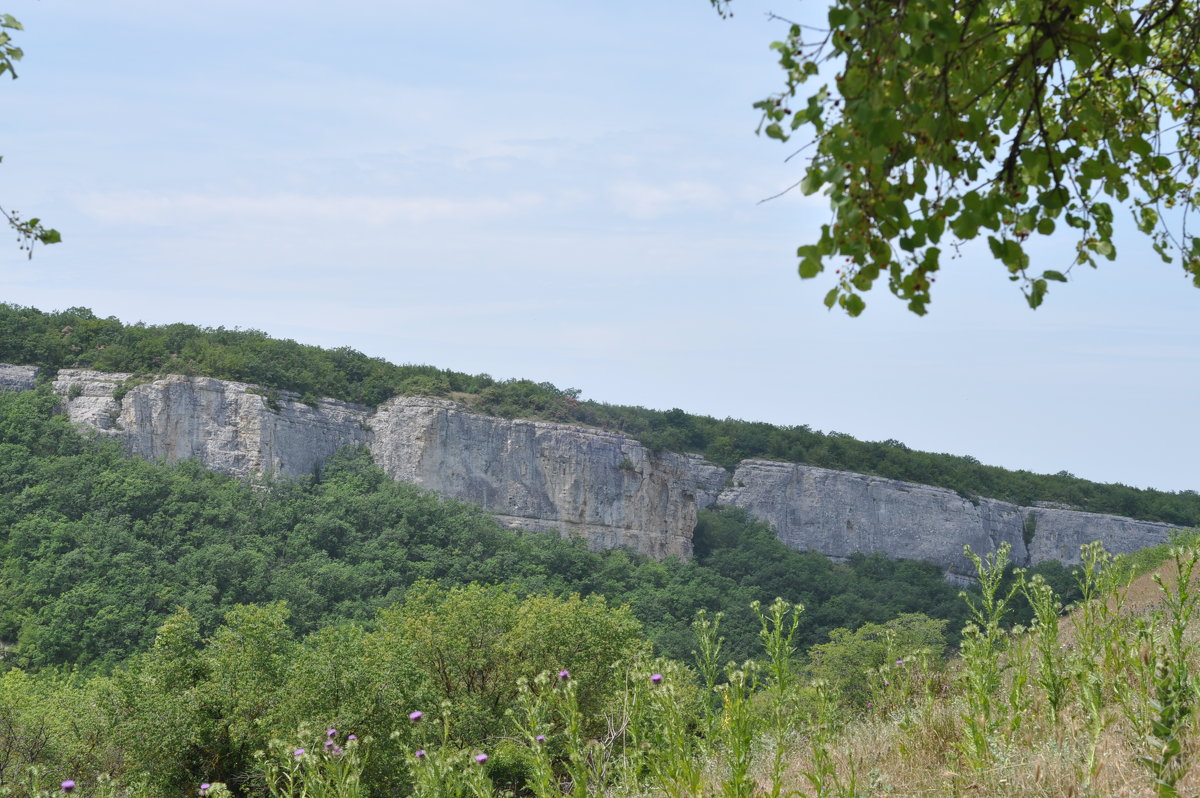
[561, 191]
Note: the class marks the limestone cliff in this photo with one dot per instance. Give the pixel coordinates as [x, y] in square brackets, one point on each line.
[838, 513]
[1058, 534]
[225, 425]
[531, 474]
[17, 378]
[538, 475]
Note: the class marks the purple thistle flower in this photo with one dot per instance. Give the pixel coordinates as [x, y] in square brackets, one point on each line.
[420, 754]
[204, 788]
[68, 785]
[541, 738]
[656, 678]
[899, 662]
[480, 759]
[336, 750]
[351, 737]
[299, 752]
[331, 733]
[563, 675]
[415, 715]
[329, 743]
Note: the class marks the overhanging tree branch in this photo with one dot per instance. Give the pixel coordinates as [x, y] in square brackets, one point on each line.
[905, 141]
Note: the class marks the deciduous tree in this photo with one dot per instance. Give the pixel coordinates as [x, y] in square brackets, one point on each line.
[949, 121]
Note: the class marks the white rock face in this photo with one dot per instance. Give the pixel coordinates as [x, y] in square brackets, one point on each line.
[602, 485]
[221, 424]
[1058, 534]
[838, 513]
[17, 378]
[542, 476]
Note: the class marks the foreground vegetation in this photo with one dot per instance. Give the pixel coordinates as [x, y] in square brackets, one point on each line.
[450, 695]
[77, 338]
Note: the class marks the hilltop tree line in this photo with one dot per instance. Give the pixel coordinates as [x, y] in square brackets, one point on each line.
[77, 338]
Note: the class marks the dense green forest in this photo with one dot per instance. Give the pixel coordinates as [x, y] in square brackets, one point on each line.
[77, 338]
[97, 549]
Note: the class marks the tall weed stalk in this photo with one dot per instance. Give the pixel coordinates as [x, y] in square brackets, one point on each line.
[737, 727]
[779, 624]
[982, 645]
[1050, 672]
[1174, 688]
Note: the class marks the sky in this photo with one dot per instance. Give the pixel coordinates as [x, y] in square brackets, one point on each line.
[561, 191]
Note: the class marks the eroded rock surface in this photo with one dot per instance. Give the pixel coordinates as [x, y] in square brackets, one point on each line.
[602, 485]
[539, 475]
[1058, 534]
[838, 513]
[225, 425]
[17, 378]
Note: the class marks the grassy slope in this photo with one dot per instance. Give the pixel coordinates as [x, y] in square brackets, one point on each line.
[919, 746]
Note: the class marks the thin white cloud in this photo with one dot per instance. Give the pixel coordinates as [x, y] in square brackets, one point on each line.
[643, 200]
[293, 208]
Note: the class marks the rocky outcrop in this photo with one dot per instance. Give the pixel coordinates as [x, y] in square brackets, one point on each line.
[602, 485]
[538, 475]
[17, 378]
[1058, 534]
[225, 425]
[838, 513]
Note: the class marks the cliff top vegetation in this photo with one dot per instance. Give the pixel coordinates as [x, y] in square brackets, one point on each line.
[77, 338]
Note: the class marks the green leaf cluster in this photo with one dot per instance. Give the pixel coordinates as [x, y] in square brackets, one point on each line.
[948, 120]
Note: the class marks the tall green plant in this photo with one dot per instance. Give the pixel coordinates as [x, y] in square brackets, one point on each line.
[1050, 672]
[328, 767]
[1098, 641]
[778, 629]
[1174, 697]
[708, 660]
[676, 755]
[982, 645]
[737, 727]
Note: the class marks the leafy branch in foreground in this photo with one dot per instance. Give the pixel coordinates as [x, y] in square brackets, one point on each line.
[29, 231]
[949, 120]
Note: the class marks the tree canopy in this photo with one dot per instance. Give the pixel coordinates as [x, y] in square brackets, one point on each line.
[953, 120]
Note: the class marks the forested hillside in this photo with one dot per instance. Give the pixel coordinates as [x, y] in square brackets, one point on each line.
[77, 338]
[97, 549]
